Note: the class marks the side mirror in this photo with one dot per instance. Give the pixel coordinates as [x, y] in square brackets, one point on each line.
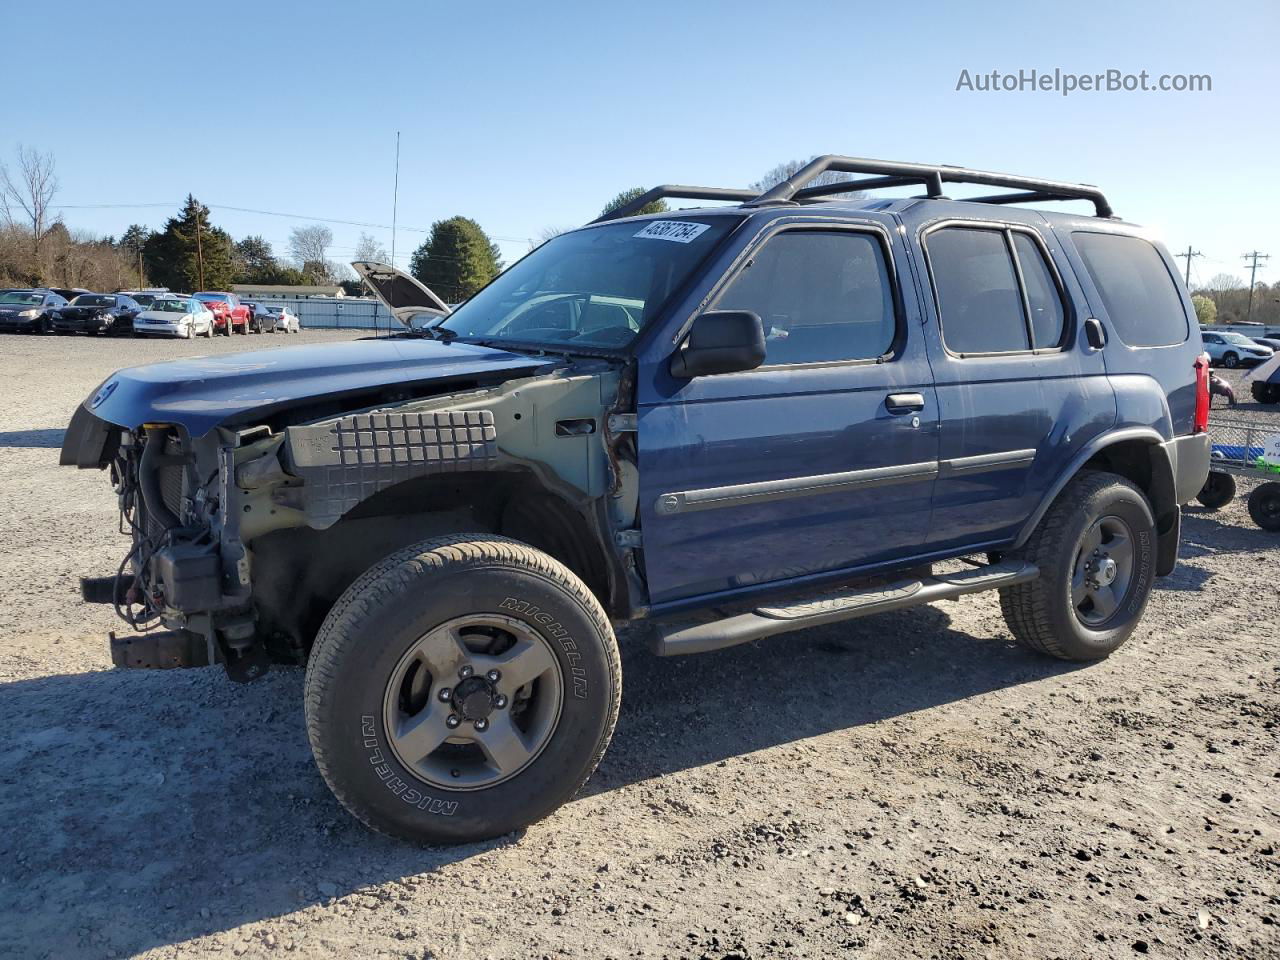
[720, 341]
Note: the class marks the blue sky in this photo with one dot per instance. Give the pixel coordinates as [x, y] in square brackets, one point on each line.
[527, 116]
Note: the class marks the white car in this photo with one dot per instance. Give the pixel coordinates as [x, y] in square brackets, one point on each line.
[286, 322]
[170, 316]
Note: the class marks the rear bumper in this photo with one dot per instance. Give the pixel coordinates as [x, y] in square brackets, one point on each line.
[1189, 458]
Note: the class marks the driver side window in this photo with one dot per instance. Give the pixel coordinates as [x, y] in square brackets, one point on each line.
[824, 296]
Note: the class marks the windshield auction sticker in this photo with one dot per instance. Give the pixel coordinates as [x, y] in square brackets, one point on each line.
[678, 230]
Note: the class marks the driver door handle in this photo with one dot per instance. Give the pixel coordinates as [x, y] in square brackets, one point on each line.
[904, 402]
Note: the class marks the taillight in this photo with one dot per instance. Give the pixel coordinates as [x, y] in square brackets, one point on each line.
[1201, 423]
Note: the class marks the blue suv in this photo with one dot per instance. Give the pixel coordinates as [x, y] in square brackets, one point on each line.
[726, 423]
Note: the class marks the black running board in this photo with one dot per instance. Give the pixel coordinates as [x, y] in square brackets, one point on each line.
[672, 639]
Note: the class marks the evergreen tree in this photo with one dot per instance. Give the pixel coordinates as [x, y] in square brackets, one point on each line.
[626, 196]
[173, 256]
[132, 243]
[254, 256]
[457, 259]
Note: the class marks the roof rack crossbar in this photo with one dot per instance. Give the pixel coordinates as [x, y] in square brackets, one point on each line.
[850, 186]
[676, 191]
[933, 176]
[1030, 196]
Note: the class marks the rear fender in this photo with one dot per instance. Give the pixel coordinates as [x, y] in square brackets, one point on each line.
[1139, 454]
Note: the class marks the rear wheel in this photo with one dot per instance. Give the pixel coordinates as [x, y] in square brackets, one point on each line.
[1265, 392]
[1264, 505]
[1096, 552]
[1219, 489]
[460, 689]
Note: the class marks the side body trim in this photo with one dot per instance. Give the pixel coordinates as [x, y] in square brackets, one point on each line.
[985, 462]
[709, 498]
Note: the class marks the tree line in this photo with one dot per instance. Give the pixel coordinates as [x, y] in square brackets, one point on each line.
[191, 252]
[1224, 299]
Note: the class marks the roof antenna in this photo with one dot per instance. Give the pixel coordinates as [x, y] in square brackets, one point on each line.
[395, 201]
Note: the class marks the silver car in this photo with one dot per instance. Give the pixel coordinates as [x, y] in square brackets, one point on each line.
[1234, 349]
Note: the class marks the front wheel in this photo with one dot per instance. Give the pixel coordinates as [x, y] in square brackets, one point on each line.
[1264, 505]
[461, 689]
[1230, 360]
[1095, 548]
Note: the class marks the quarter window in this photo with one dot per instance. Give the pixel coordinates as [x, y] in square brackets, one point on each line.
[978, 297]
[824, 295]
[1141, 298]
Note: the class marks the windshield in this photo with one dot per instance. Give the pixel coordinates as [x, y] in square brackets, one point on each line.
[17, 296]
[213, 297]
[1238, 338]
[170, 306]
[595, 287]
[93, 300]
[143, 298]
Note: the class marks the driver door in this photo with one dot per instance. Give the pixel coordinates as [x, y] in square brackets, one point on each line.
[823, 458]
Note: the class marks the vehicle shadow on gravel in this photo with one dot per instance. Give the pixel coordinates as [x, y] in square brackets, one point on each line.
[32, 438]
[684, 712]
[143, 808]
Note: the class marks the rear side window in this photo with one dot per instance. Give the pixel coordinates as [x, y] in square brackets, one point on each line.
[1048, 318]
[824, 296]
[978, 297]
[1141, 297]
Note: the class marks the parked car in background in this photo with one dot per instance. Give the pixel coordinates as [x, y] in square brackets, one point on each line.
[69, 293]
[1234, 349]
[261, 320]
[97, 313]
[29, 310]
[1264, 381]
[1271, 343]
[174, 316]
[286, 320]
[230, 315]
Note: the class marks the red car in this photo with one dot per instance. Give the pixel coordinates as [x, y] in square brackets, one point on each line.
[229, 314]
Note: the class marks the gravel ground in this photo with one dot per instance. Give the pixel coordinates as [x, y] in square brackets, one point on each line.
[907, 786]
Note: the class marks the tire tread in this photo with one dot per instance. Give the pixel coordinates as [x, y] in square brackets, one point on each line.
[398, 571]
[1026, 606]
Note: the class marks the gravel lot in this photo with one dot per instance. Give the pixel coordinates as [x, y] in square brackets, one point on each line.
[907, 786]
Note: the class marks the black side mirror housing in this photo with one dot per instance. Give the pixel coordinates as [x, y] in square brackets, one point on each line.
[720, 341]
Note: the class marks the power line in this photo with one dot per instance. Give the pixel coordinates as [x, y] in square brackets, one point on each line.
[268, 213]
[1188, 255]
[1253, 256]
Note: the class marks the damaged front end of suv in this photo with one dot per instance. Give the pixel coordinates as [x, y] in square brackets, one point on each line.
[255, 488]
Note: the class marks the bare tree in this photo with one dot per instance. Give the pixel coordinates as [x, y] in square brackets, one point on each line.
[310, 244]
[32, 190]
[1224, 282]
[367, 248]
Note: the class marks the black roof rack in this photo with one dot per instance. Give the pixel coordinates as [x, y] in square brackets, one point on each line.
[679, 192]
[881, 174]
[892, 173]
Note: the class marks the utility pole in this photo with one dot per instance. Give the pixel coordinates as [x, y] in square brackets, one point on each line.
[1188, 255]
[200, 253]
[1252, 259]
[139, 268]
